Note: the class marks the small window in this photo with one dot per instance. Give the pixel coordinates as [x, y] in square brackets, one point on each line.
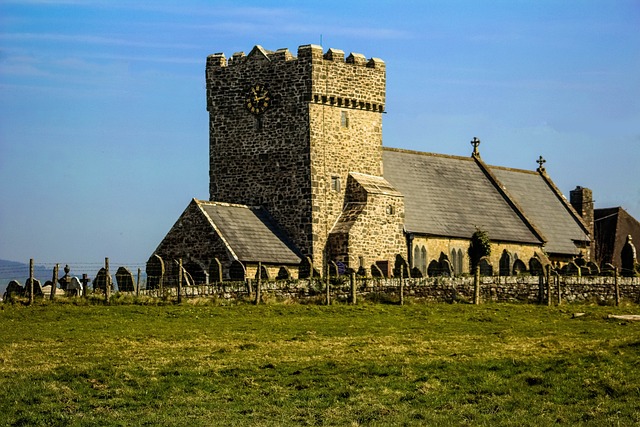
[344, 119]
[335, 183]
[390, 210]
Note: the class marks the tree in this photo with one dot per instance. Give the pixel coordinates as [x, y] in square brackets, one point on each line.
[479, 247]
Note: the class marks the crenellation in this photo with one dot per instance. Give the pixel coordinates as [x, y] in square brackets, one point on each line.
[237, 58]
[356, 59]
[376, 63]
[216, 60]
[282, 54]
[334, 55]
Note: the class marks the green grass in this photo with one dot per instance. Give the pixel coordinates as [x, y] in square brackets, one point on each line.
[278, 364]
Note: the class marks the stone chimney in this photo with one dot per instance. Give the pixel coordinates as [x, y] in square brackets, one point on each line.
[582, 201]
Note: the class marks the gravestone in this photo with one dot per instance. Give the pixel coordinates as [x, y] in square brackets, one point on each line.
[66, 279]
[283, 274]
[14, 288]
[155, 272]
[571, 269]
[401, 268]
[628, 258]
[376, 271]
[125, 280]
[434, 269]
[37, 288]
[486, 269]
[101, 281]
[594, 270]
[519, 267]
[535, 267]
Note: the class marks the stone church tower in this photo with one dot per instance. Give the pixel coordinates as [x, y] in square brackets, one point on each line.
[294, 134]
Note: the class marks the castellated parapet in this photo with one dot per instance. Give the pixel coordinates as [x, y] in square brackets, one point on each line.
[293, 154]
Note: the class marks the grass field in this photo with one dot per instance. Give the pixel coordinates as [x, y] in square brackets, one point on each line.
[279, 364]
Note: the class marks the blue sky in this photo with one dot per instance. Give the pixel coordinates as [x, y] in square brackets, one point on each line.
[104, 129]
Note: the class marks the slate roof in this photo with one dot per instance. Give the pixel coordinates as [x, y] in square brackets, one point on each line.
[450, 196]
[250, 233]
[375, 184]
[545, 207]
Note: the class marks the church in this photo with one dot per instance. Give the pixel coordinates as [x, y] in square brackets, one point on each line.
[301, 184]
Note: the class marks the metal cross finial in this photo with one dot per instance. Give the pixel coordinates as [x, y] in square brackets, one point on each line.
[475, 142]
[541, 161]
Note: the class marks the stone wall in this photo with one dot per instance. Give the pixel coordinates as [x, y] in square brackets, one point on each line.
[526, 289]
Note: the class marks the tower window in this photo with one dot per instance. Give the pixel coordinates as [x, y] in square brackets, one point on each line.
[390, 210]
[335, 183]
[344, 119]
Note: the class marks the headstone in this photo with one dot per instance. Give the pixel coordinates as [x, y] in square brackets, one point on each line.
[486, 269]
[125, 280]
[376, 271]
[434, 269]
[571, 269]
[535, 267]
[283, 274]
[155, 272]
[594, 270]
[505, 263]
[580, 261]
[102, 280]
[401, 268]
[237, 271]
[14, 288]
[37, 287]
[519, 267]
[64, 280]
[628, 258]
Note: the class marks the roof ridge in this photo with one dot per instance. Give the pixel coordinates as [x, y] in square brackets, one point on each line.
[506, 168]
[216, 203]
[425, 153]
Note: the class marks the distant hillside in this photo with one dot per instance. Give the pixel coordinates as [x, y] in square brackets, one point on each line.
[12, 270]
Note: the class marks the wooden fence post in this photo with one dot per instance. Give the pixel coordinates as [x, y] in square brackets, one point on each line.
[476, 285]
[179, 280]
[259, 285]
[107, 281]
[54, 282]
[138, 284]
[352, 279]
[617, 286]
[548, 287]
[328, 286]
[401, 285]
[31, 281]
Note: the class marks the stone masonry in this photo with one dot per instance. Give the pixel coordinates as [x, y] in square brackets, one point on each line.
[323, 122]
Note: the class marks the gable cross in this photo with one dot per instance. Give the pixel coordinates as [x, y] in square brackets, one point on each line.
[475, 142]
[541, 161]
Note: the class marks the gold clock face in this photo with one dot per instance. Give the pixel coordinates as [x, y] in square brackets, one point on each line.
[258, 99]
